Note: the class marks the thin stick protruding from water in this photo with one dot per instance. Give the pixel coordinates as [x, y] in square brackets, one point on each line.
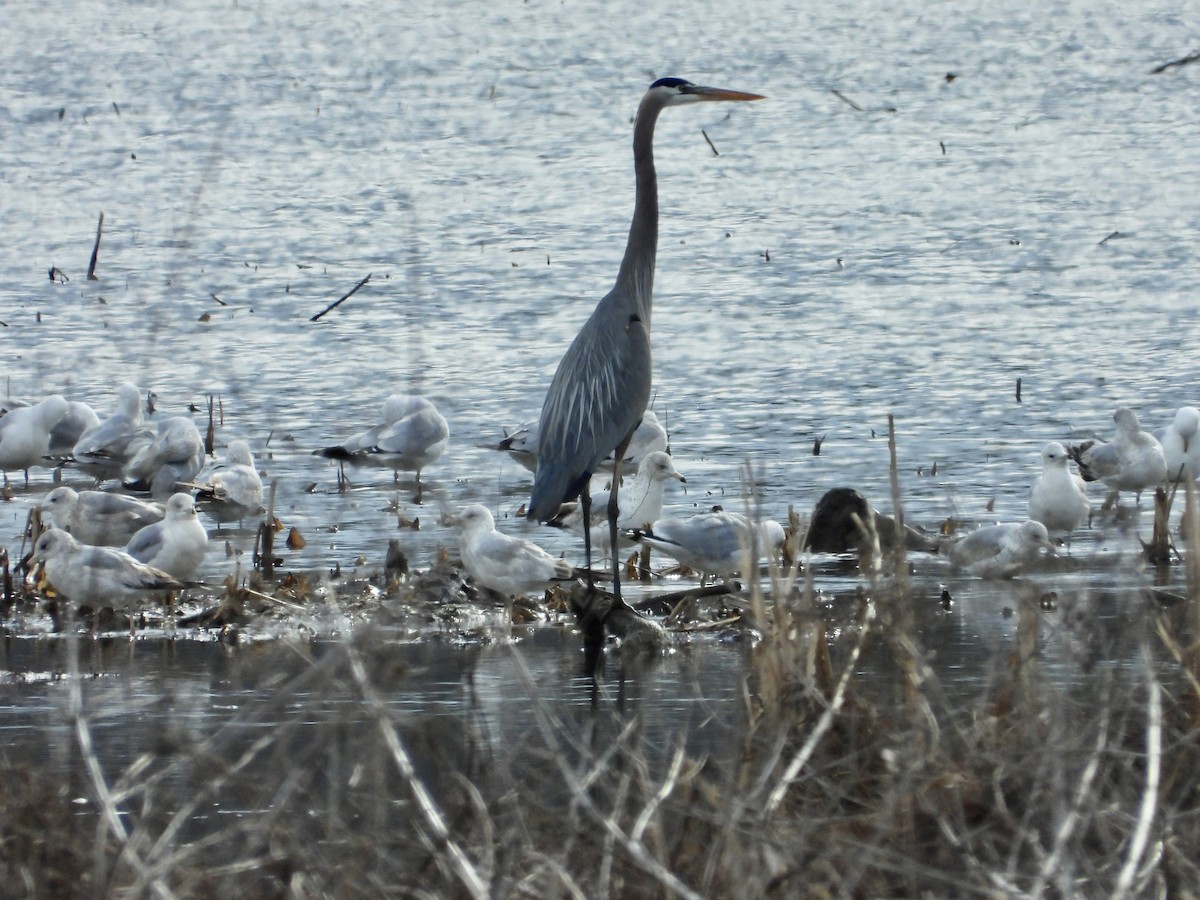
[342, 299]
[846, 100]
[210, 435]
[91, 275]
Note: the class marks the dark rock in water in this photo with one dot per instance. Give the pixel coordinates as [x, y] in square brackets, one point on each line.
[838, 520]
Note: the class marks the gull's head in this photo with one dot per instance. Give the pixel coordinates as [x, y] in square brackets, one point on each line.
[1186, 423]
[1035, 534]
[60, 500]
[1126, 420]
[181, 506]
[475, 517]
[52, 542]
[238, 454]
[1054, 454]
[129, 399]
[53, 408]
[658, 466]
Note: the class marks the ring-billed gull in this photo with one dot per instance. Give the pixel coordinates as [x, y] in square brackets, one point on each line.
[649, 436]
[1000, 551]
[412, 435]
[98, 517]
[1132, 461]
[103, 450]
[1058, 498]
[25, 434]
[234, 490]
[173, 458]
[1180, 446]
[97, 576]
[70, 428]
[640, 501]
[175, 545]
[713, 543]
[507, 565]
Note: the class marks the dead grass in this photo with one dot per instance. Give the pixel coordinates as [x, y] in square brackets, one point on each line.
[836, 786]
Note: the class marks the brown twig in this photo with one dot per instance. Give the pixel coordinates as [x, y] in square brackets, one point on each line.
[346, 296]
[711, 145]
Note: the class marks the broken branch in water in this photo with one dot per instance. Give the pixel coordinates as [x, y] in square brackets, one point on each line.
[846, 99]
[1182, 61]
[91, 275]
[711, 145]
[346, 296]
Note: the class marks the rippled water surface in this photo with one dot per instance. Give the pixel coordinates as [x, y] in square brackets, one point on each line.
[914, 256]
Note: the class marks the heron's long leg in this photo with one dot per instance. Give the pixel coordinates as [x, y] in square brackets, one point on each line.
[585, 505]
[614, 510]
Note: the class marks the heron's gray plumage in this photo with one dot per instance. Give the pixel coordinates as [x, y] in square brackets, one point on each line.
[602, 384]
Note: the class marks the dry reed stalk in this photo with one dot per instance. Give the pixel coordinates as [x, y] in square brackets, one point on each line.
[897, 614]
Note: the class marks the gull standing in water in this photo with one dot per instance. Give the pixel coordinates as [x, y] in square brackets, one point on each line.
[234, 490]
[103, 449]
[640, 504]
[98, 517]
[1180, 446]
[602, 386]
[175, 545]
[97, 576]
[714, 544]
[1058, 498]
[507, 565]
[79, 419]
[1000, 551]
[1132, 461]
[650, 435]
[25, 434]
[412, 435]
[169, 461]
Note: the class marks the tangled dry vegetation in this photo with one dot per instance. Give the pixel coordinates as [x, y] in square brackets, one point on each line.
[836, 786]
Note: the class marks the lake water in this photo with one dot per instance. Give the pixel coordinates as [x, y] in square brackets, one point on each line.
[914, 256]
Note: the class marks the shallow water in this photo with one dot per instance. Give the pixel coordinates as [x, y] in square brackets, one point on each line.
[830, 267]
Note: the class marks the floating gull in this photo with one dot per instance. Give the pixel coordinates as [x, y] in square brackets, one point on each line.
[97, 576]
[507, 565]
[1180, 446]
[233, 491]
[1000, 551]
[412, 435]
[103, 450]
[172, 459]
[98, 517]
[648, 437]
[175, 545]
[25, 434]
[640, 501]
[1058, 498]
[1132, 461]
[713, 543]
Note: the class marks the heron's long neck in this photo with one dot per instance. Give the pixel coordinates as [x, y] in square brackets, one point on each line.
[637, 268]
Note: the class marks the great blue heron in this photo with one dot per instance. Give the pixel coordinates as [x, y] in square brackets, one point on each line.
[602, 385]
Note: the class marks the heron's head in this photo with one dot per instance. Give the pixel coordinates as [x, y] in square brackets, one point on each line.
[678, 91]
